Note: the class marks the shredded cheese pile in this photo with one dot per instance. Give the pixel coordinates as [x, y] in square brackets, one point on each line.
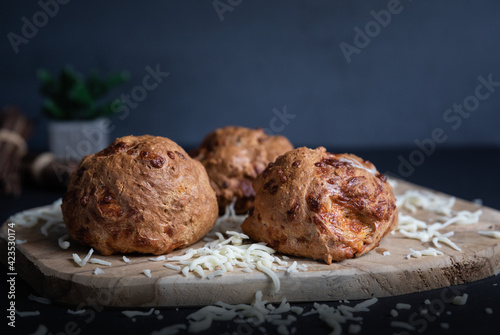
[420, 230]
[413, 199]
[256, 314]
[282, 316]
[52, 215]
[223, 255]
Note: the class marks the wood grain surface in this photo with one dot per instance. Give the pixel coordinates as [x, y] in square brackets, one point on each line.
[53, 274]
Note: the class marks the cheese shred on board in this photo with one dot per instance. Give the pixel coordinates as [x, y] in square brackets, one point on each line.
[81, 262]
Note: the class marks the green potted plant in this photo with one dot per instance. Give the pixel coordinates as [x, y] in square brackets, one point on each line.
[77, 108]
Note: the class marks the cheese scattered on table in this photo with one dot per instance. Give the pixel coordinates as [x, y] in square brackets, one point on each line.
[402, 306]
[147, 273]
[460, 300]
[79, 311]
[132, 314]
[39, 299]
[27, 313]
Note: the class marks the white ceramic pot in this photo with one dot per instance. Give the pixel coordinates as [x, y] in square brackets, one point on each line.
[72, 140]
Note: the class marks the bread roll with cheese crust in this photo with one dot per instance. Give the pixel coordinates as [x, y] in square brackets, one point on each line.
[312, 203]
[140, 194]
[233, 156]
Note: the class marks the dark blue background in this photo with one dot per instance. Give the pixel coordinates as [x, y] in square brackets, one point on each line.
[265, 55]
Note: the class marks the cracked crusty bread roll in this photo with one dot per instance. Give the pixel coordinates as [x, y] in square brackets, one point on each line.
[140, 194]
[233, 156]
[312, 203]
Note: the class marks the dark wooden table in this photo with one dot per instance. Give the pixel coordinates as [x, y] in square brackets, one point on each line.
[468, 173]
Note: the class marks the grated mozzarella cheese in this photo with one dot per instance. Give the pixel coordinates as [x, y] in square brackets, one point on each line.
[79, 311]
[297, 310]
[39, 299]
[271, 274]
[402, 306]
[363, 306]
[27, 313]
[171, 266]
[63, 244]
[132, 314]
[99, 261]
[386, 253]
[224, 254]
[30, 218]
[98, 271]
[357, 164]
[392, 182]
[394, 313]
[445, 325]
[426, 252]
[489, 233]
[81, 262]
[125, 259]
[157, 259]
[292, 268]
[147, 273]
[460, 300]
[414, 199]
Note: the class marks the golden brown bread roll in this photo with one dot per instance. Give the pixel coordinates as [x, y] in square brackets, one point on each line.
[233, 156]
[140, 194]
[326, 206]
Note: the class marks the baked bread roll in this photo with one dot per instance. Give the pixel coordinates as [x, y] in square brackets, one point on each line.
[312, 203]
[140, 194]
[233, 156]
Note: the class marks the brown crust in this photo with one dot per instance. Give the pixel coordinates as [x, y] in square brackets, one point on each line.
[233, 156]
[312, 203]
[140, 194]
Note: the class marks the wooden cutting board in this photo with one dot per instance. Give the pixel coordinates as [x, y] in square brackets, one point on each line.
[53, 274]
